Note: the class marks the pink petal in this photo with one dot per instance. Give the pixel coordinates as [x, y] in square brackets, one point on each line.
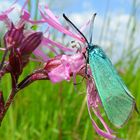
[60, 73]
[6, 12]
[93, 102]
[92, 94]
[97, 113]
[23, 8]
[46, 41]
[3, 17]
[25, 15]
[51, 15]
[39, 53]
[67, 65]
[76, 61]
[52, 23]
[98, 130]
[59, 27]
[52, 49]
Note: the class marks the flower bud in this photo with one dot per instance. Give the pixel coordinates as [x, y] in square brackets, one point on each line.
[30, 43]
[15, 62]
[14, 36]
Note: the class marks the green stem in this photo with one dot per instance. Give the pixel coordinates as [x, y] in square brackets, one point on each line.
[80, 113]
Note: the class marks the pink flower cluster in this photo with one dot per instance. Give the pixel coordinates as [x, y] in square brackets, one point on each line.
[21, 43]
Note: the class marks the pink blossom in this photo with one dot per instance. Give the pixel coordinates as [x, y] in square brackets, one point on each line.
[68, 65]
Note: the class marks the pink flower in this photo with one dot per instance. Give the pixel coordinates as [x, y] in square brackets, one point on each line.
[68, 65]
[20, 47]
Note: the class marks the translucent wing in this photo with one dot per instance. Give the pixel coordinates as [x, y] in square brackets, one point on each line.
[115, 97]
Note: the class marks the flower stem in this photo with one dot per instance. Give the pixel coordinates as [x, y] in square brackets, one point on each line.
[3, 59]
[7, 104]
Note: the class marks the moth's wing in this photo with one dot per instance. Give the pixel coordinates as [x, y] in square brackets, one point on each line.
[118, 77]
[115, 97]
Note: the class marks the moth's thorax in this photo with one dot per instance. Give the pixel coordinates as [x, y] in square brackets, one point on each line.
[95, 49]
[90, 47]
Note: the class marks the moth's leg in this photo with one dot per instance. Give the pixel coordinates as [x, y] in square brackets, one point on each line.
[86, 66]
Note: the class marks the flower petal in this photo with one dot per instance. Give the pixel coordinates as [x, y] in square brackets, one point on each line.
[60, 73]
[66, 66]
[98, 130]
[46, 41]
[30, 43]
[93, 102]
[51, 15]
[59, 27]
[76, 61]
[39, 53]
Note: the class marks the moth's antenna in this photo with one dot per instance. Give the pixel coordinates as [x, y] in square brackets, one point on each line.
[66, 18]
[91, 27]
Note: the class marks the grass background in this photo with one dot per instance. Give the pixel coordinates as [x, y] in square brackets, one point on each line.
[46, 111]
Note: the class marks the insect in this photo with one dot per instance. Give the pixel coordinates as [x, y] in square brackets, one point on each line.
[116, 99]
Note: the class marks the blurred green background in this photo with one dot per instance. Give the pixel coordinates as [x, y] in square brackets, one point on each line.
[46, 111]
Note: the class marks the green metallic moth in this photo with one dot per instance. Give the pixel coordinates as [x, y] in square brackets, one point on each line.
[116, 99]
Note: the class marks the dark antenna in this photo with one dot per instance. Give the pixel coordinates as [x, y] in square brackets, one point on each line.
[66, 18]
[91, 27]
